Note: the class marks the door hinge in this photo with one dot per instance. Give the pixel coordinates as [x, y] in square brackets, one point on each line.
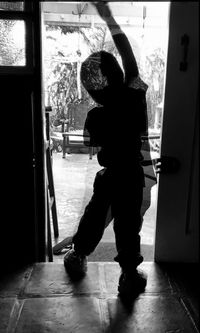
[34, 161]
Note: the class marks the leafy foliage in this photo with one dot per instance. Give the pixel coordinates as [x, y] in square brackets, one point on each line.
[65, 92]
[10, 54]
[67, 96]
[153, 72]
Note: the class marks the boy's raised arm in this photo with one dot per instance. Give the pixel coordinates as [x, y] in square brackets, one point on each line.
[121, 42]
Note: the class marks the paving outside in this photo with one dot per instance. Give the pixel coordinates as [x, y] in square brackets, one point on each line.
[73, 181]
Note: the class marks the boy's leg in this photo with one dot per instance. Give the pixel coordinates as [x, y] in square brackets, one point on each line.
[91, 227]
[92, 223]
[127, 225]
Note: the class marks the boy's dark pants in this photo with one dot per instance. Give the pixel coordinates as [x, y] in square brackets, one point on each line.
[123, 191]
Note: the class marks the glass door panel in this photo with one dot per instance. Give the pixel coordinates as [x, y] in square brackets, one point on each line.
[12, 43]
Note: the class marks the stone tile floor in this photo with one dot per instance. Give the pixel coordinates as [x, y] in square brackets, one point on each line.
[41, 298]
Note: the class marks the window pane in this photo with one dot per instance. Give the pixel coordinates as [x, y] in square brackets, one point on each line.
[12, 43]
[15, 5]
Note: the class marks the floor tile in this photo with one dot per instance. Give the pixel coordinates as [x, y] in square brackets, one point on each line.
[6, 309]
[60, 314]
[150, 314]
[52, 279]
[157, 279]
[111, 276]
[43, 299]
[13, 283]
[184, 279]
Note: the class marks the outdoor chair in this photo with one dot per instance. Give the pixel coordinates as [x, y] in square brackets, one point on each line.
[73, 141]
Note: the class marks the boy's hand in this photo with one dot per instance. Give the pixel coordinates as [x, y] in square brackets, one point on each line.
[166, 164]
[103, 9]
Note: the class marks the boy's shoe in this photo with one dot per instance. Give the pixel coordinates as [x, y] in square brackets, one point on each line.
[131, 284]
[75, 264]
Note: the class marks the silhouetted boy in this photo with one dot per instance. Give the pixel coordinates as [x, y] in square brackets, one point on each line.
[116, 126]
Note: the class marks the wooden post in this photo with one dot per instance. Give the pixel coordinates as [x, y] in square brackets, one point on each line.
[67, 140]
[64, 146]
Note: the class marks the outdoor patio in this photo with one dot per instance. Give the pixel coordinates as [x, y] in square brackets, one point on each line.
[73, 182]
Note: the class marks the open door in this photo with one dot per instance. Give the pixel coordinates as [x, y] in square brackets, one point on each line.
[177, 206]
[23, 225]
[72, 31]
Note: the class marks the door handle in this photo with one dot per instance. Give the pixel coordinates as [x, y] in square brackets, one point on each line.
[166, 164]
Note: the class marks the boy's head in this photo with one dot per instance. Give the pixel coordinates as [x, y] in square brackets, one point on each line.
[98, 71]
